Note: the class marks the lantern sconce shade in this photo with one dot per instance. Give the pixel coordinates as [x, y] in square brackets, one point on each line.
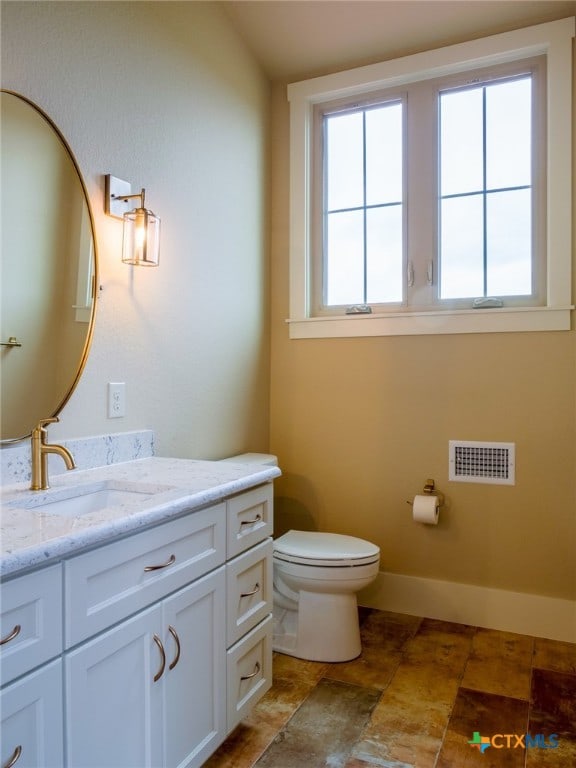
[141, 236]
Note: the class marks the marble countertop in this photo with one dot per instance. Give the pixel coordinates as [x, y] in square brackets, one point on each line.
[166, 488]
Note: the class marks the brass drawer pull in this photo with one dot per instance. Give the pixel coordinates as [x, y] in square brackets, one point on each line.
[176, 658]
[170, 561]
[13, 757]
[247, 594]
[160, 672]
[15, 632]
[257, 519]
[256, 670]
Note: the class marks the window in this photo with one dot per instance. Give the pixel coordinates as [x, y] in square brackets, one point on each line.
[363, 205]
[426, 196]
[469, 212]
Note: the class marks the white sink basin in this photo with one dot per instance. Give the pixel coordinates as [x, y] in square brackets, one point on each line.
[83, 499]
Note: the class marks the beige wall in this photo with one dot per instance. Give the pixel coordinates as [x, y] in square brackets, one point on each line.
[360, 424]
[166, 96]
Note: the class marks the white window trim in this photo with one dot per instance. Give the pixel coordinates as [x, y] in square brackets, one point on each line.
[553, 39]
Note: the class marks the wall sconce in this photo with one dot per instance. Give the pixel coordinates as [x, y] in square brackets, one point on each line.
[141, 236]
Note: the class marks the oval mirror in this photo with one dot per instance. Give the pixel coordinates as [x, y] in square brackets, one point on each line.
[48, 268]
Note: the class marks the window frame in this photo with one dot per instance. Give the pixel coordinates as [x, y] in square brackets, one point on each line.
[554, 40]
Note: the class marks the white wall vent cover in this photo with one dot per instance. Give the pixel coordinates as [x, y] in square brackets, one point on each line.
[474, 462]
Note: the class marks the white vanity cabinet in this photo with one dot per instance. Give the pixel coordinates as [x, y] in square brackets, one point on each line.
[31, 696]
[144, 652]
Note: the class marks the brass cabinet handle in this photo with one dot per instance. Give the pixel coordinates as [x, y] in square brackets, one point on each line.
[170, 561]
[15, 632]
[176, 658]
[13, 757]
[257, 519]
[160, 672]
[256, 670]
[247, 594]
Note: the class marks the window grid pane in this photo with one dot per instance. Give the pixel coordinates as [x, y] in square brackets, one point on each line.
[500, 115]
[461, 141]
[384, 262]
[384, 155]
[345, 161]
[508, 135]
[462, 247]
[508, 216]
[345, 258]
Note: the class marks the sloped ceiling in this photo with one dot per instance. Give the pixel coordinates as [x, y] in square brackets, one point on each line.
[293, 39]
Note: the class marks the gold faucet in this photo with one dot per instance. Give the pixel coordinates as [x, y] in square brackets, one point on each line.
[40, 451]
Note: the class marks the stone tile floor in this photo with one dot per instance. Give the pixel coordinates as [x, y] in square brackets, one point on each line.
[414, 699]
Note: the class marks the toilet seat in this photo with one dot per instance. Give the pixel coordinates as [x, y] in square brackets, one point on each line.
[327, 550]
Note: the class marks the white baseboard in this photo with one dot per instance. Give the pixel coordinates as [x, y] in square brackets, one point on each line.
[525, 614]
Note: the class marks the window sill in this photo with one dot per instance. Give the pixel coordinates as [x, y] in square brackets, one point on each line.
[502, 320]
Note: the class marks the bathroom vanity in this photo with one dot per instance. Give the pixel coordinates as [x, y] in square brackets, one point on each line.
[136, 620]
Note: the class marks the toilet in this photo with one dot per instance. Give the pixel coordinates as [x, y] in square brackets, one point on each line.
[316, 578]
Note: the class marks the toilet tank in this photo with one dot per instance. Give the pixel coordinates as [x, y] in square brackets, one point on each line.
[254, 458]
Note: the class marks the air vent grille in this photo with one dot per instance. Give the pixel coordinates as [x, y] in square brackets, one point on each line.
[476, 462]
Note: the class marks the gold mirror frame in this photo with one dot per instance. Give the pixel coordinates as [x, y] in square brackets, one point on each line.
[75, 329]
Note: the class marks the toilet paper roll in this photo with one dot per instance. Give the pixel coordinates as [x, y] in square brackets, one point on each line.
[425, 509]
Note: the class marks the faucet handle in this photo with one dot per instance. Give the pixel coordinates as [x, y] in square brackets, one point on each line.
[39, 432]
[43, 422]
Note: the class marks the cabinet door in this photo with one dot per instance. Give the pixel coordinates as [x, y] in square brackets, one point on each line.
[32, 720]
[113, 705]
[195, 677]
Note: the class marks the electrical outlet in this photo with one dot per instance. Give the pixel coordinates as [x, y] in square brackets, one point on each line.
[116, 400]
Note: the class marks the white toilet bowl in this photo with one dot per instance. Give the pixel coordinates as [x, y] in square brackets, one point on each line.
[316, 578]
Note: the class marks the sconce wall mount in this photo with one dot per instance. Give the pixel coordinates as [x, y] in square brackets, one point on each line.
[141, 234]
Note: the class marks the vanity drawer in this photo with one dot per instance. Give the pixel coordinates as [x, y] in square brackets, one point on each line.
[248, 590]
[249, 671]
[249, 519]
[110, 583]
[31, 621]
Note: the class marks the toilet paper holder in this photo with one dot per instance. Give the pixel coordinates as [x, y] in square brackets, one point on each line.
[430, 490]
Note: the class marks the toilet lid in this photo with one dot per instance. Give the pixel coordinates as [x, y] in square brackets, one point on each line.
[325, 549]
